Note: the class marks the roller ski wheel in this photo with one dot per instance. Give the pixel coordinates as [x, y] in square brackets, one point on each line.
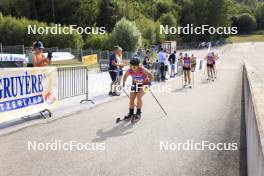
[190, 86]
[118, 120]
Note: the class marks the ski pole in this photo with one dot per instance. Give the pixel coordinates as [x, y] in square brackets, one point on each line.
[126, 93]
[205, 72]
[128, 96]
[157, 102]
[193, 79]
[182, 80]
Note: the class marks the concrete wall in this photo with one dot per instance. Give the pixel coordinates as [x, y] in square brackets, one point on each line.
[254, 116]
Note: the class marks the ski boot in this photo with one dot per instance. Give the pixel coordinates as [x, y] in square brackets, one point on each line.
[136, 118]
[128, 117]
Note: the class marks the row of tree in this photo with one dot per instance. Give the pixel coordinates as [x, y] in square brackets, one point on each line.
[136, 21]
[15, 32]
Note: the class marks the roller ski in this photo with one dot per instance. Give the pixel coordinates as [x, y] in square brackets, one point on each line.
[210, 79]
[126, 118]
[187, 86]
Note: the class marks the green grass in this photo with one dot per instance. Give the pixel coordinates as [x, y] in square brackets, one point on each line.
[257, 36]
[260, 32]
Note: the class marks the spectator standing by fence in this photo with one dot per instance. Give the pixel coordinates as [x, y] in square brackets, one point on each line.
[29, 54]
[115, 70]
[161, 60]
[39, 60]
[172, 60]
[167, 63]
[146, 61]
[120, 64]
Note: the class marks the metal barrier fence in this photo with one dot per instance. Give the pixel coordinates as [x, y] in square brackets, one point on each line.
[72, 81]
[78, 53]
[17, 49]
[253, 119]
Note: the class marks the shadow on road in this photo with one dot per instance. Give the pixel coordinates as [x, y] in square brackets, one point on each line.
[180, 89]
[205, 82]
[20, 121]
[243, 140]
[116, 131]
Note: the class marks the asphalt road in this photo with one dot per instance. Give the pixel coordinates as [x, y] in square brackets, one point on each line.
[208, 112]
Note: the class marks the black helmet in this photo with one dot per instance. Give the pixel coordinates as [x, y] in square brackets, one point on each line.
[135, 61]
[38, 45]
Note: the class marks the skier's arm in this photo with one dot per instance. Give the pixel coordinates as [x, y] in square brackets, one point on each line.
[150, 75]
[125, 78]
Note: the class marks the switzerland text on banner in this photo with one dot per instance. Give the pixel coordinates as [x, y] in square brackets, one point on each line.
[25, 91]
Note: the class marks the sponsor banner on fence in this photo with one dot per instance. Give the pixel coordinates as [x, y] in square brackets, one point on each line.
[58, 56]
[13, 57]
[89, 59]
[26, 91]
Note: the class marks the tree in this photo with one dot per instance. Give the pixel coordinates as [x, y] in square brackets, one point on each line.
[127, 35]
[15, 33]
[171, 21]
[147, 29]
[219, 14]
[87, 13]
[161, 7]
[193, 12]
[260, 16]
[109, 14]
[245, 23]
[98, 42]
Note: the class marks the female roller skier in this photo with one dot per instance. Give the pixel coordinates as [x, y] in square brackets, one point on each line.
[187, 70]
[141, 79]
[210, 66]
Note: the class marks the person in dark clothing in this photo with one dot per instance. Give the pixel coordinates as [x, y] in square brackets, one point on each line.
[161, 60]
[146, 61]
[115, 69]
[172, 60]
